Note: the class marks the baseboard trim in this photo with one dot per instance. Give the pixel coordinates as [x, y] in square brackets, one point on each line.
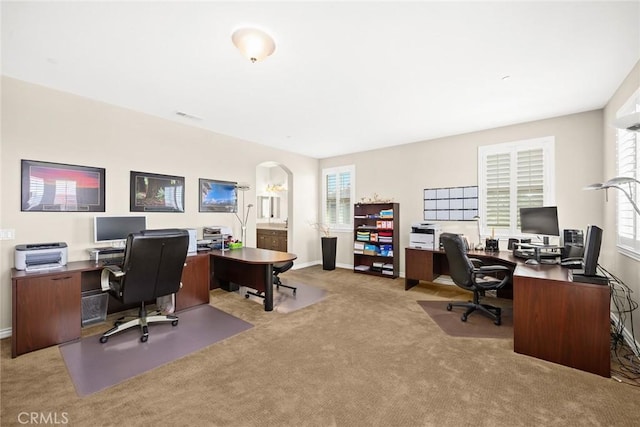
[5, 333]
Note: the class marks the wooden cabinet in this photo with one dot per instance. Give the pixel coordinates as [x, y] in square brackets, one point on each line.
[376, 242]
[269, 238]
[195, 282]
[46, 310]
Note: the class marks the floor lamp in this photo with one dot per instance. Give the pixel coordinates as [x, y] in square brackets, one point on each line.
[245, 216]
[618, 183]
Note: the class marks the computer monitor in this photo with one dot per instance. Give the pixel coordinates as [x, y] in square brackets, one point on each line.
[591, 250]
[541, 221]
[115, 229]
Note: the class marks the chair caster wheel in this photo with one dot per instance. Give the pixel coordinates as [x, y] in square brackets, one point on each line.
[464, 317]
[294, 291]
[144, 338]
[449, 307]
[174, 323]
[104, 339]
[246, 296]
[498, 322]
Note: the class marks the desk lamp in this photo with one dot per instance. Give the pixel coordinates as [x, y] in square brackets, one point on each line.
[478, 247]
[618, 183]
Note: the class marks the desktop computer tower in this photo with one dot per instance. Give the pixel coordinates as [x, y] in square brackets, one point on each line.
[573, 243]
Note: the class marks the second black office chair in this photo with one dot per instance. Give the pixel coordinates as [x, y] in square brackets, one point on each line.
[278, 268]
[472, 275]
[281, 268]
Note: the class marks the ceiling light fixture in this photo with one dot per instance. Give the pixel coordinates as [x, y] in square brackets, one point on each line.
[255, 44]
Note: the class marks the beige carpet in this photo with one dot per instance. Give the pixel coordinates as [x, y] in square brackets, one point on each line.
[366, 355]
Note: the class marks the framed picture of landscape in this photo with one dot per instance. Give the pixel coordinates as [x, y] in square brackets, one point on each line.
[57, 187]
[152, 192]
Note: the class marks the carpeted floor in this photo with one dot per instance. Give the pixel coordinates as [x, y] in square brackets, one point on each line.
[366, 355]
[94, 366]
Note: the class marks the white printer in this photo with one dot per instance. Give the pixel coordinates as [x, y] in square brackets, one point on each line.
[41, 256]
[425, 235]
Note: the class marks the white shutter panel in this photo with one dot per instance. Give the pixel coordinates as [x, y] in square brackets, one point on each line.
[498, 190]
[627, 164]
[331, 198]
[529, 179]
[344, 200]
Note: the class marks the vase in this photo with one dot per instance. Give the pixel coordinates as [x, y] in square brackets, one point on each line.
[329, 253]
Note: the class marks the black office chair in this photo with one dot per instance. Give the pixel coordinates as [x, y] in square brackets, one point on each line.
[152, 267]
[278, 268]
[470, 274]
[281, 268]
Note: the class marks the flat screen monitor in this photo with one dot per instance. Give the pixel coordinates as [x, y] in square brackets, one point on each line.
[591, 250]
[541, 221]
[115, 229]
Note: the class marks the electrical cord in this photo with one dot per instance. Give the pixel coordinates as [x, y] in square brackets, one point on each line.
[626, 355]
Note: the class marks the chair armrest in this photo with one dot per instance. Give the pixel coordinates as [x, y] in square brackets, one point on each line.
[485, 269]
[107, 272]
[492, 269]
[476, 261]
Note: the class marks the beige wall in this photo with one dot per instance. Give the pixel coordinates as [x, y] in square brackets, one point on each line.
[403, 172]
[43, 124]
[622, 266]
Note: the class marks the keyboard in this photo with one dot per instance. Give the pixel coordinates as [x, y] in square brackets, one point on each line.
[112, 261]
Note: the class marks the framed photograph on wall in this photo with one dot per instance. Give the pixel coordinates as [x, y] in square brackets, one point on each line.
[57, 187]
[218, 196]
[152, 192]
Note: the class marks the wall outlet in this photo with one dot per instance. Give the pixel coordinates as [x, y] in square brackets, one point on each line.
[7, 234]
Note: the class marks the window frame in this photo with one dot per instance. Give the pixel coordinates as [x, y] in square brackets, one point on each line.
[547, 144]
[342, 227]
[629, 246]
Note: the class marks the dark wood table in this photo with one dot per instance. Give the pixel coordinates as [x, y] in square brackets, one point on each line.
[251, 267]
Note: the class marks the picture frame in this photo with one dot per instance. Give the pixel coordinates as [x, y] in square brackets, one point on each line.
[217, 196]
[60, 187]
[151, 192]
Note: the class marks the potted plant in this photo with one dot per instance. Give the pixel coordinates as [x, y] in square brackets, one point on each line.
[329, 244]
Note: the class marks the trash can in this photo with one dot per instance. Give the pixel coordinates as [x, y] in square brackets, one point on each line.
[94, 307]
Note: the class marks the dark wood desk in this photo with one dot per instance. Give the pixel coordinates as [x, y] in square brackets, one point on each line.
[47, 305]
[250, 267]
[553, 318]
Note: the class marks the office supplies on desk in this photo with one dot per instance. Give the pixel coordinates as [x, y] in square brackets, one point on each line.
[40, 256]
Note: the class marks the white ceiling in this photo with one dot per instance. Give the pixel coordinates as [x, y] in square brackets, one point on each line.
[345, 76]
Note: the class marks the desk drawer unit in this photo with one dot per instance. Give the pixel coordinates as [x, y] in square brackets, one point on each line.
[195, 283]
[46, 311]
[562, 322]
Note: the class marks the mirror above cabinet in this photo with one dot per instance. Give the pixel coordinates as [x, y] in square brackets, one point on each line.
[268, 207]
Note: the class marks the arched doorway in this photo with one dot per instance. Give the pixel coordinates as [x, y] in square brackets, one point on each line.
[274, 198]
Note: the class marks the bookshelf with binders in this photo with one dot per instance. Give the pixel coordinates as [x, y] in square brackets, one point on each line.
[376, 240]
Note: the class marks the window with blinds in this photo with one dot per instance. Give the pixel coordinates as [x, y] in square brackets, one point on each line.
[627, 220]
[338, 194]
[514, 175]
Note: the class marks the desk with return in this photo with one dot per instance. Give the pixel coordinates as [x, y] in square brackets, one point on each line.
[47, 305]
[554, 318]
